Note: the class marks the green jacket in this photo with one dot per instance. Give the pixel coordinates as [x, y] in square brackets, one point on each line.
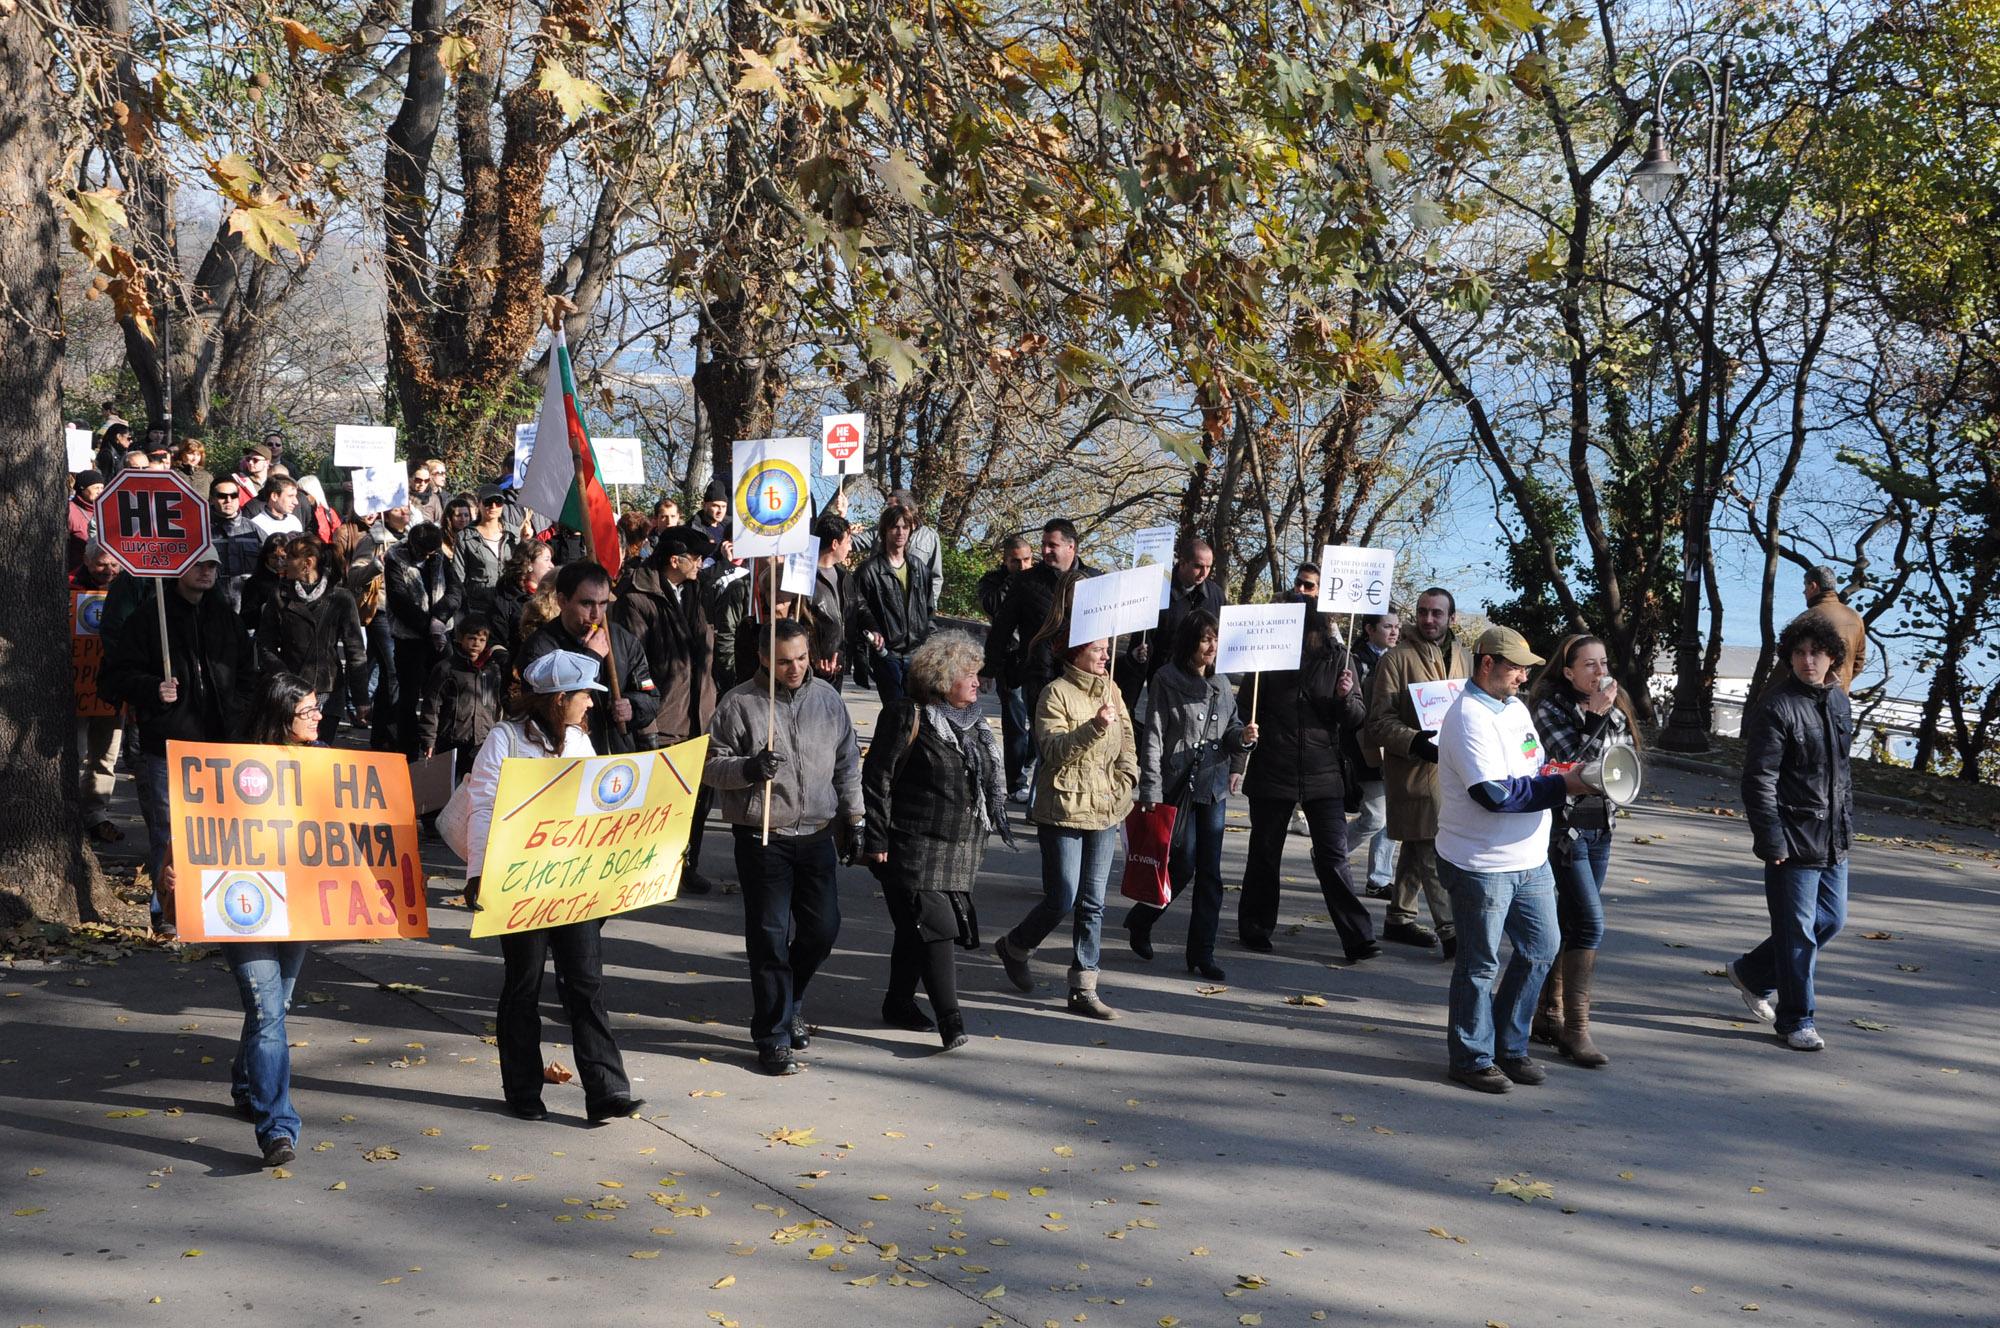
[1084, 776]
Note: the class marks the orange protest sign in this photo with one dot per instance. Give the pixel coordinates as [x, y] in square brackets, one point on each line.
[86, 653]
[293, 844]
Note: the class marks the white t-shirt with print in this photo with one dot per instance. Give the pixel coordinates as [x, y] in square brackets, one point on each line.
[1476, 743]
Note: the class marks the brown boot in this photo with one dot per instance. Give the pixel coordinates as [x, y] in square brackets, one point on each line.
[1547, 1026]
[1574, 1040]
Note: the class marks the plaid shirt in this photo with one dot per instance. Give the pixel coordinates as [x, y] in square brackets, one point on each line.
[1566, 728]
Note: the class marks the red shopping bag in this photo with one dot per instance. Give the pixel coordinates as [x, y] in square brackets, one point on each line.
[1149, 840]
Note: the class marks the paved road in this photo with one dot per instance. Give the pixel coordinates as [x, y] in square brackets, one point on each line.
[1209, 1159]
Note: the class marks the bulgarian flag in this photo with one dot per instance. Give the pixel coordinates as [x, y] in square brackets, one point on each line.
[561, 481]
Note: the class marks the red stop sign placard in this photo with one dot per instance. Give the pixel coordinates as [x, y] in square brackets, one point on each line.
[842, 440]
[152, 522]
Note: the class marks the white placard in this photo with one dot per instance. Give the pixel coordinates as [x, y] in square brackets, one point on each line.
[524, 447]
[1154, 546]
[364, 446]
[1259, 638]
[843, 444]
[82, 448]
[1115, 604]
[1353, 579]
[1432, 699]
[619, 460]
[801, 570]
[380, 489]
[770, 496]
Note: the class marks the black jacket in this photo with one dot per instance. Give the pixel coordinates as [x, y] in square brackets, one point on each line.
[635, 684]
[902, 616]
[991, 591]
[1300, 714]
[420, 592]
[1798, 792]
[311, 638]
[510, 601]
[1011, 656]
[834, 620]
[211, 661]
[237, 544]
[463, 700]
[673, 628]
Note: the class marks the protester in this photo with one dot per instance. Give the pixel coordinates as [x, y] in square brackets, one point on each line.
[732, 595]
[316, 515]
[311, 628]
[1368, 832]
[423, 597]
[459, 514]
[465, 697]
[287, 714]
[1297, 765]
[1189, 590]
[188, 459]
[1798, 796]
[807, 779]
[252, 469]
[932, 782]
[1823, 598]
[894, 602]
[82, 513]
[923, 549]
[1492, 853]
[560, 687]
[1193, 747]
[279, 514]
[203, 701]
[635, 538]
[1084, 781]
[426, 499]
[1427, 653]
[666, 514]
[583, 626]
[114, 440]
[528, 566]
[753, 625]
[1017, 740]
[714, 521]
[485, 549]
[1020, 647]
[1580, 713]
[361, 558]
[660, 605]
[99, 738]
[834, 618]
[261, 586]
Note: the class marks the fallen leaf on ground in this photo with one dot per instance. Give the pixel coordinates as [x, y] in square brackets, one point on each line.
[555, 1072]
[994, 1294]
[1305, 999]
[1871, 1025]
[1209, 991]
[797, 1138]
[338, 1185]
[1869, 936]
[382, 1154]
[721, 1282]
[643, 1254]
[1524, 1189]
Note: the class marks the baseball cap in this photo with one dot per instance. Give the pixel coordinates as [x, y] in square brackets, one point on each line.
[1508, 644]
[257, 450]
[207, 555]
[562, 671]
[491, 493]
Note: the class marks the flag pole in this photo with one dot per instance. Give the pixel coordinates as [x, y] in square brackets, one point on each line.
[1256, 681]
[771, 698]
[160, 600]
[557, 305]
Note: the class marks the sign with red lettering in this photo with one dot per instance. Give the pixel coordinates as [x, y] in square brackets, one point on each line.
[842, 439]
[86, 653]
[573, 839]
[152, 522]
[293, 844]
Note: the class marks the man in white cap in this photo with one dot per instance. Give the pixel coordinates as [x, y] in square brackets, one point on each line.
[1493, 856]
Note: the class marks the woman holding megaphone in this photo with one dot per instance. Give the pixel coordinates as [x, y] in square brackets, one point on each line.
[1580, 713]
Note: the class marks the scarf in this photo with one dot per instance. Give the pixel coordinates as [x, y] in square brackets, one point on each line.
[309, 595]
[966, 729]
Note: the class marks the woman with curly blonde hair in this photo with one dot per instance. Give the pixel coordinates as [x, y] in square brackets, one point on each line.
[934, 788]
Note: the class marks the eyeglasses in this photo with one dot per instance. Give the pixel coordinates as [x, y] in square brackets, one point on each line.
[492, 502]
[1310, 587]
[225, 495]
[307, 710]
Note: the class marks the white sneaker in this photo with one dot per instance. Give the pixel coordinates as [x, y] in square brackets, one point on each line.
[1299, 826]
[1756, 1000]
[1805, 1038]
[1022, 795]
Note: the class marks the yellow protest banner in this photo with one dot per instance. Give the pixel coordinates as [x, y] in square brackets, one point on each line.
[576, 838]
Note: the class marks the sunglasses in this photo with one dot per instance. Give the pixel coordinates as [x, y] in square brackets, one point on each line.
[225, 495]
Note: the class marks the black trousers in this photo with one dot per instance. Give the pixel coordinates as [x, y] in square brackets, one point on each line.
[704, 798]
[791, 918]
[579, 956]
[1270, 822]
[913, 958]
[414, 661]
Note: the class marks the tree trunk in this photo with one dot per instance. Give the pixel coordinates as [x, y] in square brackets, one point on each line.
[44, 869]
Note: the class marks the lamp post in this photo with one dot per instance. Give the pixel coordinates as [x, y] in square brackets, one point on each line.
[1655, 178]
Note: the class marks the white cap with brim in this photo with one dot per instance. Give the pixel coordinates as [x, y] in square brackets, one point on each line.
[562, 671]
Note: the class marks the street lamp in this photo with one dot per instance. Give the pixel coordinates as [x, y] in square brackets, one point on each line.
[1656, 178]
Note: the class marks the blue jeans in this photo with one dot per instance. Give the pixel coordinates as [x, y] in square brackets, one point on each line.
[1368, 834]
[1017, 736]
[1522, 906]
[1579, 865]
[261, 1075]
[1808, 908]
[890, 671]
[1075, 866]
[1197, 857]
[152, 783]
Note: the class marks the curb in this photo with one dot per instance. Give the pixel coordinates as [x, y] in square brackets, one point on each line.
[1881, 802]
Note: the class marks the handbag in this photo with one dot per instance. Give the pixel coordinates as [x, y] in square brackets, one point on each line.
[1149, 842]
[454, 820]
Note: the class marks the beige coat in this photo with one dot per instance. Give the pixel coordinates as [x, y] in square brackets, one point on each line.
[1852, 630]
[1412, 782]
[1084, 776]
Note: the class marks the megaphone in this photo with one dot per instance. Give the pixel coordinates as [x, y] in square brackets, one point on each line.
[1616, 775]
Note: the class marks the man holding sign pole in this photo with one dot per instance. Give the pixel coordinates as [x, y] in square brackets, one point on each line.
[1427, 655]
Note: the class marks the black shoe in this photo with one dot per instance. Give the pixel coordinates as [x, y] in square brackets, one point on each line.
[905, 1015]
[1369, 951]
[1139, 929]
[1207, 968]
[1485, 1079]
[279, 1151]
[1449, 946]
[1378, 891]
[1409, 933]
[1016, 966]
[778, 1060]
[1523, 1071]
[529, 1110]
[801, 1033]
[244, 1111]
[614, 1108]
[1261, 944]
[951, 1031]
[694, 883]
